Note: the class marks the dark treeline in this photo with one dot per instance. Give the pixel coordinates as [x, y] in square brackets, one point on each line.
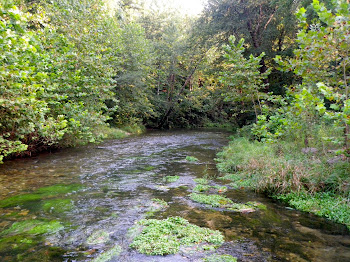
[71, 70]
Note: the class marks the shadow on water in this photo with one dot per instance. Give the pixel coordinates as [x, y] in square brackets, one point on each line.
[79, 204]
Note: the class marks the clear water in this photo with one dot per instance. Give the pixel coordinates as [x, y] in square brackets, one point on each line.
[120, 177]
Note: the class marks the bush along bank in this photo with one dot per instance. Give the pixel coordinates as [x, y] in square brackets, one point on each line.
[305, 179]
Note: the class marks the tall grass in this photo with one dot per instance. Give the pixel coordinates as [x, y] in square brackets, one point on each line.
[282, 168]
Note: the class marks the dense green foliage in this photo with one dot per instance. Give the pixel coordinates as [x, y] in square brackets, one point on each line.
[70, 67]
[242, 77]
[49, 95]
[302, 153]
[162, 237]
[318, 107]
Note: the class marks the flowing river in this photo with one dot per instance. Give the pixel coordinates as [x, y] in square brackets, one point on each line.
[78, 204]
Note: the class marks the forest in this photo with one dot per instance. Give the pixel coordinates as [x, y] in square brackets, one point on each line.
[275, 72]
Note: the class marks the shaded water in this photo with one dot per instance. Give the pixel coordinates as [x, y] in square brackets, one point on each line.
[113, 186]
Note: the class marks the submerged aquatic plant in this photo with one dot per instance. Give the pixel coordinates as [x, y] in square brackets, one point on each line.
[201, 181]
[156, 205]
[149, 168]
[160, 202]
[201, 188]
[59, 189]
[33, 227]
[212, 200]
[171, 179]
[57, 205]
[108, 255]
[220, 258]
[224, 202]
[162, 237]
[98, 237]
[206, 188]
[19, 200]
[41, 193]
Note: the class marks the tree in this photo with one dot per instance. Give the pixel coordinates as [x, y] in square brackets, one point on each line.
[322, 63]
[267, 26]
[242, 78]
[25, 117]
[133, 88]
[55, 82]
[174, 66]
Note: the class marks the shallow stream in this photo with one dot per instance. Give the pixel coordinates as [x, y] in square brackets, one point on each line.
[79, 204]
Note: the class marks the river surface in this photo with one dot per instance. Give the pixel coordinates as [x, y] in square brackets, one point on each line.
[112, 186]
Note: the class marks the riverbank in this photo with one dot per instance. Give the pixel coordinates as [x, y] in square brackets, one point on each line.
[307, 181]
[98, 135]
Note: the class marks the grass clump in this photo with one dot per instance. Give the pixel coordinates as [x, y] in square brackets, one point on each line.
[162, 237]
[220, 258]
[201, 188]
[171, 179]
[201, 181]
[281, 169]
[191, 159]
[212, 200]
